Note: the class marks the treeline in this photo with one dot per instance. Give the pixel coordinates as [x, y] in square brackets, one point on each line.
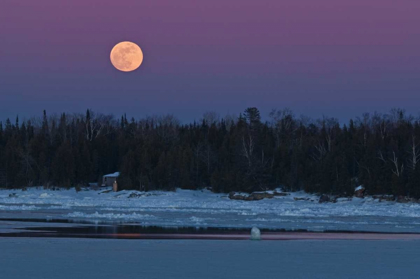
[242, 153]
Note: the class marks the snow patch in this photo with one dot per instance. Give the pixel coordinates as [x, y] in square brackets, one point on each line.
[359, 188]
[96, 215]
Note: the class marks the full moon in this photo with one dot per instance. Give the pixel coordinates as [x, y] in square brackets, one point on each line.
[126, 56]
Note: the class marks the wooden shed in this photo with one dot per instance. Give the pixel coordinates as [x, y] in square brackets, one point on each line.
[109, 179]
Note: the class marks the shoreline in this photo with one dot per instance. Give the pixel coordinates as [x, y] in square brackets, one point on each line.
[202, 210]
[118, 232]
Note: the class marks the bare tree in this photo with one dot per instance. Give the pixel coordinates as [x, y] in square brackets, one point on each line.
[328, 125]
[283, 123]
[230, 120]
[248, 148]
[197, 152]
[167, 127]
[210, 117]
[320, 153]
[381, 156]
[362, 166]
[97, 125]
[414, 153]
[397, 169]
[365, 123]
[27, 164]
[381, 123]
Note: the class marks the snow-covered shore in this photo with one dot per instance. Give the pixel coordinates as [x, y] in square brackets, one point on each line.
[205, 209]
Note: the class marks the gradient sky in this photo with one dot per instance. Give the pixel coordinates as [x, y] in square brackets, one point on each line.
[331, 57]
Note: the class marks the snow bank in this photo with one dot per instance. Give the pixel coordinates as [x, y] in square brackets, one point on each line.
[204, 208]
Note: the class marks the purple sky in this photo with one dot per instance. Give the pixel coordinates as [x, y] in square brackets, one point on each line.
[332, 57]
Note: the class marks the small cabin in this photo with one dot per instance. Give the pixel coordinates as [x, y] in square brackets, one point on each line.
[109, 179]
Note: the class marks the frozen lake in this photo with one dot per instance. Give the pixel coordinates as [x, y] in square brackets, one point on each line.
[196, 254]
[205, 209]
[51, 258]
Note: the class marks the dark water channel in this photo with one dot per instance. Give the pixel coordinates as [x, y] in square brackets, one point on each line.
[17, 227]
